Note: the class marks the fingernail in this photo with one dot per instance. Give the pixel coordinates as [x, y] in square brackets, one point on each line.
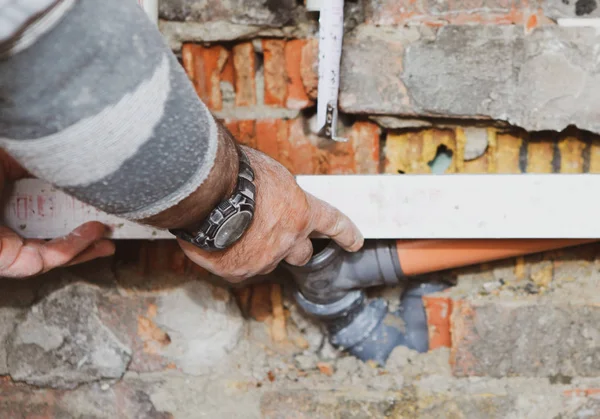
[358, 244]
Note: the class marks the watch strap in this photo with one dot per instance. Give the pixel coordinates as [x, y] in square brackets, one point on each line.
[241, 199]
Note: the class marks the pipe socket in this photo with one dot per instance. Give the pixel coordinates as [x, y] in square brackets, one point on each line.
[367, 329]
[332, 272]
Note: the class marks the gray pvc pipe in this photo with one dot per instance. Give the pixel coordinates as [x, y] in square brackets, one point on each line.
[330, 287]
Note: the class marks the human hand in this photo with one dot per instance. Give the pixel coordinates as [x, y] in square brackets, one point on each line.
[21, 258]
[284, 218]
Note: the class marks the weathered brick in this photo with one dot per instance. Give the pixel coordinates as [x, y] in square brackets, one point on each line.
[233, 127]
[161, 256]
[244, 63]
[594, 155]
[508, 149]
[304, 153]
[411, 152]
[204, 66]
[440, 397]
[363, 90]
[309, 67]
[337, 404]
[531, 338]
[365, 139]
[228, 72]
[540, 155]
[302, 150]
[161, 325]
[275, 72]
[155, 296]
[261, 306]
[391, 12]
[248, 12]
[583, 405]
[482, 164]
[122, 400]
[62, 341]
[297, 98]
[438, 310]
[272, 139]
[571, 155]
[556, 9]
[247, 133]
[535, 81]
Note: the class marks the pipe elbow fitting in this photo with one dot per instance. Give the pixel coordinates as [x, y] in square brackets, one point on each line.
[330, 288]
[332, 272]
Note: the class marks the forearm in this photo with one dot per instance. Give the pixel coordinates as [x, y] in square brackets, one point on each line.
[100, 107]
[219, 184]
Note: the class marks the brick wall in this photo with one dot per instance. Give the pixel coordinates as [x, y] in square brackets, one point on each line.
[494, 86]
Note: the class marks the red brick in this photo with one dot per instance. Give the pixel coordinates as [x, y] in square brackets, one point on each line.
[128, 319]
[161, 256]
[278, 326]
[124, 399]
[243, 296]
[438, 310]
[244, 63]
[302, 151]
[534, 337]
[204, 66]
[246, 133]
[233, 127]
[260, 302]
[297, 98]
[310, 154]
[228, 72]
[272, 139]
[275, 72]
[582, 392]
[20, 401]
[266, 137]
[309, 68]
[364, 137]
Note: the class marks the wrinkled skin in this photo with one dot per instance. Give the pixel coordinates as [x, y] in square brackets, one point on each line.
[285, 216]
[22, 258]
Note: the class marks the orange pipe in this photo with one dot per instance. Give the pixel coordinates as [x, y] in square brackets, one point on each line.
[424, 256]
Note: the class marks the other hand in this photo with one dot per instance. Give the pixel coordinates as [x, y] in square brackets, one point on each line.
[21, 258]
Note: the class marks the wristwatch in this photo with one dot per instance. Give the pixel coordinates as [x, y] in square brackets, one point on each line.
[230, 219]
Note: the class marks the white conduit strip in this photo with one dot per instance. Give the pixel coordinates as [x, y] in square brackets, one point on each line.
[383, 207]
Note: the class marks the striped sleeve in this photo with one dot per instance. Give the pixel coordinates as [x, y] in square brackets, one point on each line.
[93, 101]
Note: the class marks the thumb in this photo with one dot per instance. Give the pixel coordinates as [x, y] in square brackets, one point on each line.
[332, 223]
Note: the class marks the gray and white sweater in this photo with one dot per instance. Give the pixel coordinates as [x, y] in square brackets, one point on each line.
[93, 101]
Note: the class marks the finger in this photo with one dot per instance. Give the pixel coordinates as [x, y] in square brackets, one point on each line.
[332, 223]
[27, 262]
[99, 249]
[62, 250]
[300, 254]
[10, 246]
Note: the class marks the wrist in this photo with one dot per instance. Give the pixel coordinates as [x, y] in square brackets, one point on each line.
[230, 219]
[218, 186]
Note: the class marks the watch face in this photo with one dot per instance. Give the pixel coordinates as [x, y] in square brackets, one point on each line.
[232, 229]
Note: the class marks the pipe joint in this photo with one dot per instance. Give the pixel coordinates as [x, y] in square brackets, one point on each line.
[332, 272]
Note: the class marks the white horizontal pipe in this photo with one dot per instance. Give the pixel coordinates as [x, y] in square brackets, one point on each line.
[383, 206]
